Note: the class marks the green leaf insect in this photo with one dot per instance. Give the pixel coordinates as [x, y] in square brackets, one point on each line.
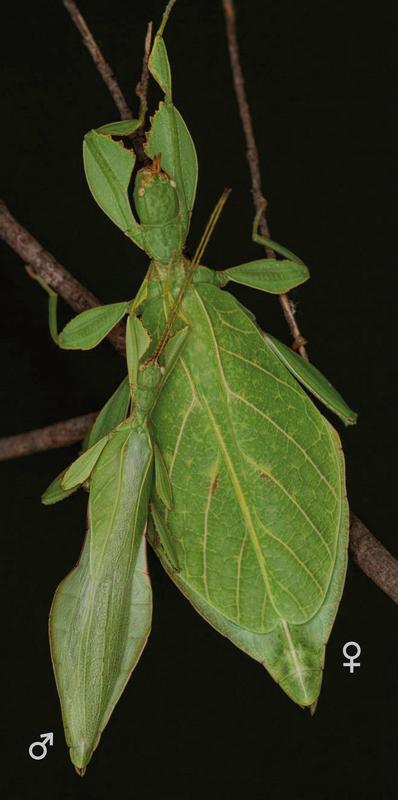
[211, 449]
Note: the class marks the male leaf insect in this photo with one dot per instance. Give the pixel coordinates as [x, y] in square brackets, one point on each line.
[211, 449]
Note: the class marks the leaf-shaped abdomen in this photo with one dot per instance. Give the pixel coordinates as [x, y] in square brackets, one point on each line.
[256, 472]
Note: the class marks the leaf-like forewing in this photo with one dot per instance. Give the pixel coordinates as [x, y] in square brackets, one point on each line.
[119, 486]
[255, 470]
[292, 654]
[101, 614]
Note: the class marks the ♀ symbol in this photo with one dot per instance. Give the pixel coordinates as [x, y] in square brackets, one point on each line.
[351, 663]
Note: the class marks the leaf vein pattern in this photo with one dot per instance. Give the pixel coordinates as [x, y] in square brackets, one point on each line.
[237, 396]
[235, 481]
[205, 538]
[298, 668]
[292, 499]
[287, 435]
[299, 392]
[294, 556]
[241, 500]
[234, 478]
[238, 579]
[293, 596]
[223, 321]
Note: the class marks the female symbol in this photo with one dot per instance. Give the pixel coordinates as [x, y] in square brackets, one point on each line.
[351, 663]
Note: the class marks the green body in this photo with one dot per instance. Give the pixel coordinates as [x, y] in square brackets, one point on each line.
[210, 447]
[101, 614]
[157, 204]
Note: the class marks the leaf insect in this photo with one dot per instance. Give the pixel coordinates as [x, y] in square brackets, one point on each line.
[211, 449]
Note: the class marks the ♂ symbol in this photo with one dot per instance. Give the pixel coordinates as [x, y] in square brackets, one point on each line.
[351, 663]
[38, 750]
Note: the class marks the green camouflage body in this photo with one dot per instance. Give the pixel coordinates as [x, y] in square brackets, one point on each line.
[157, 206]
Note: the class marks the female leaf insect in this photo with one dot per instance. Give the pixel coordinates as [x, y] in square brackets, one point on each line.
[210, 449]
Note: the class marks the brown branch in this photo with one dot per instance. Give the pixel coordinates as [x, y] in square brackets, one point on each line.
[61, 434]
[373, 558]
[46, 267]
[259, 200]
[100, 62]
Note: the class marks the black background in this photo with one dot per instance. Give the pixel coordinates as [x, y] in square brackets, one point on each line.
[199, 718]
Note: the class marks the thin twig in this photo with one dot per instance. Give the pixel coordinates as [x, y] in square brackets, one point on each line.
[104, 69]
[259, 200]
[43, 264]
[373, 558]
[141, 89]
[61, 434]
[139, 136]
[100, 62]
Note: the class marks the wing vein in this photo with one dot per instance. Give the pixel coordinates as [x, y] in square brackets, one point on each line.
[287, 435]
